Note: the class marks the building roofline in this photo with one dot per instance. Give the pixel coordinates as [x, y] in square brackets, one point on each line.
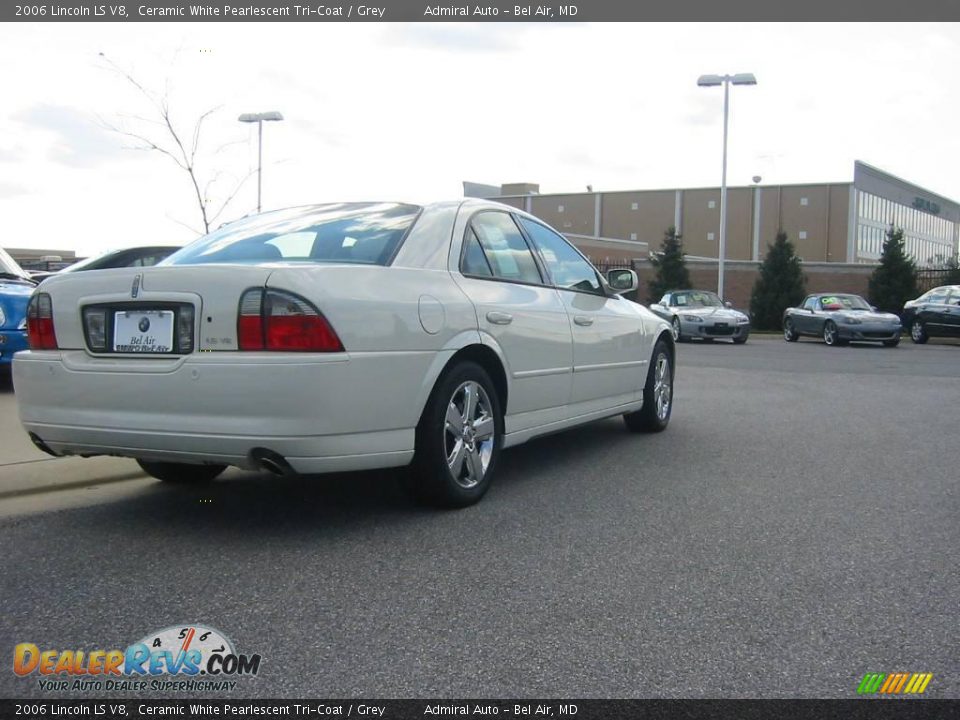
[685, 189]
[919, 188]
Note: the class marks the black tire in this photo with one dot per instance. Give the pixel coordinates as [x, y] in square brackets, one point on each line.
[649, 418]
[918, 333]
[181, 473]
[740, 340]
[675, 329]
[831, 336]
[430, 478]
[790, 333]
[891, 343]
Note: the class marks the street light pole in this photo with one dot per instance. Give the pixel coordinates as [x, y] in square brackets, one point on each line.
[713, 81]
[259, 119]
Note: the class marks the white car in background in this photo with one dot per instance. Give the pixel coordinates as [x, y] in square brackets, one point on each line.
[343, 337]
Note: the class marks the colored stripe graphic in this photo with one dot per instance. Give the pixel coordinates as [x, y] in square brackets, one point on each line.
[870, 683]
[894, 683]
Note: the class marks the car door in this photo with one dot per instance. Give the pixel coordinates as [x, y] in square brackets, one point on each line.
[951, 314]
[932, 311]
[519, 310]
[804, 319]
[609, 359]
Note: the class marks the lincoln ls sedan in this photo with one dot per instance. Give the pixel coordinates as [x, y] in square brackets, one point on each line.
[343, 337]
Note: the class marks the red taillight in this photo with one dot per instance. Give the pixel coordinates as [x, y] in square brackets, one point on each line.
[273, 320]
[40, 331]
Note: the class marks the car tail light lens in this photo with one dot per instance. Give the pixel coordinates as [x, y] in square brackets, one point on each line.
[40, 332]
[274, 320]
[95, 325]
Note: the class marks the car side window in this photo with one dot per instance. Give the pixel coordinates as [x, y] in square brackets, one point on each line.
[566, 266]
[810, 304]
[934, 298]
[504, 248]
[474, 259]
[665, 300]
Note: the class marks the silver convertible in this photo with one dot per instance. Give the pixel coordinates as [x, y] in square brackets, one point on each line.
[343, 337]
[839, 318]
[701, 314]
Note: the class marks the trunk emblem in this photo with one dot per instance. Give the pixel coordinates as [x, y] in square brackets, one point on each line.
[135, 290]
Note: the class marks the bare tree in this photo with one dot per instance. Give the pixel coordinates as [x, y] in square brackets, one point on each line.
[167, 138]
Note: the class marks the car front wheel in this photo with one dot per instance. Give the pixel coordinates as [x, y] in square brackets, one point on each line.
[831, 336]
[181, 473]
[458, 439]
[918, 333]
[675, 329]
[654, 416]
[790, 333]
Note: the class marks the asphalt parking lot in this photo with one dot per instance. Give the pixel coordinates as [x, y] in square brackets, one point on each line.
[793, 529]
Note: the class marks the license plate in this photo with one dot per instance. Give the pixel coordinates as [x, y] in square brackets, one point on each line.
[143, 331]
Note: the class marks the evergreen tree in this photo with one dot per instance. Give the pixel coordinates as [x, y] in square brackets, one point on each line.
[779, 285]
[895, 280]
[671, 268]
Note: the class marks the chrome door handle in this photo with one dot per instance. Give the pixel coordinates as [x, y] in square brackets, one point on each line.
[499, 318]
[583, 320]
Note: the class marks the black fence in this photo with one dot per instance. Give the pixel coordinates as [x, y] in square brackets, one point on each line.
[928, 278]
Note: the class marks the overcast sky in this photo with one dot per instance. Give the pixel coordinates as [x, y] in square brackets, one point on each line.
[408, 111]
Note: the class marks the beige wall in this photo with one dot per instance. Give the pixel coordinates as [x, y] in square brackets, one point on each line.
[820, 211]
[699, 220]
[575, 217]
[654, 213]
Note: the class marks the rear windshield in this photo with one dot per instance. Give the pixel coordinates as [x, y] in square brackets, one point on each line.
[364, 233]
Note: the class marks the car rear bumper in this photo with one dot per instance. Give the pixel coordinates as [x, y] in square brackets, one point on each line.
[321, 414]
[11, 341]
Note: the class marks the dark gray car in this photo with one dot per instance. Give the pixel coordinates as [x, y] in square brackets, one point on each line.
[839, 318]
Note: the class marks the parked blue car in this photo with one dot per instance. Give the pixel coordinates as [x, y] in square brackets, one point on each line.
[15, 289]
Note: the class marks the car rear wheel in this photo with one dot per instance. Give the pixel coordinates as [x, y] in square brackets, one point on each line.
[918, 333]
[675, 329]
[654, 416]
[831, 336]
[181, 473]
[458, 439]
[790, 333]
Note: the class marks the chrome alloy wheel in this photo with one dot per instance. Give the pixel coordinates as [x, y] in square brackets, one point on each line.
[916, 331]
[675, 328]
[829, 333]
[788, 331]
[662, 387]
[469, 434]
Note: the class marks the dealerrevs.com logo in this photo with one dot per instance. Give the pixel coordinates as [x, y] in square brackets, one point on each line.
[180, 658]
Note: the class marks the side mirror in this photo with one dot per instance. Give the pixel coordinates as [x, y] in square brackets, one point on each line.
[728, 304]
[622, 280]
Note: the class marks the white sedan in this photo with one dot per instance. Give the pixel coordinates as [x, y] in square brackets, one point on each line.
[343, 337]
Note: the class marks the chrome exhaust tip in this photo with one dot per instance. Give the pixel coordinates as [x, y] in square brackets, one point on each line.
[271, 461]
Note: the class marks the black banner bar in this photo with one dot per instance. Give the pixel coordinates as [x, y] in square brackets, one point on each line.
[496, 11]
[124, 709]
